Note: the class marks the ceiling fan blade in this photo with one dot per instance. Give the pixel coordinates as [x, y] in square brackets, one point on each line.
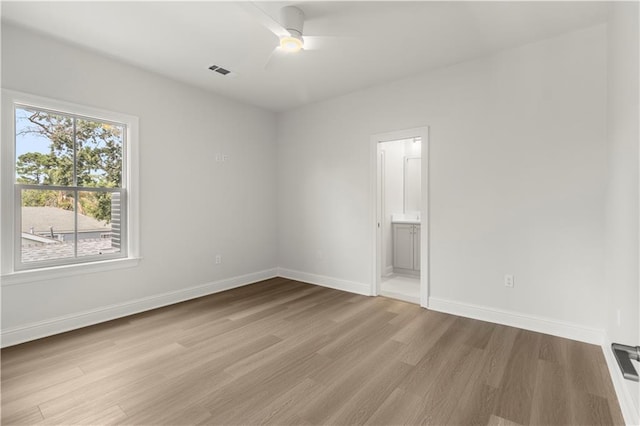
[322, 42]
[265, 19]
[279, 54]
[275, 53]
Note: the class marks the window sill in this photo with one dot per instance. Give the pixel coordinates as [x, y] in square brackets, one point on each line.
[53, 273]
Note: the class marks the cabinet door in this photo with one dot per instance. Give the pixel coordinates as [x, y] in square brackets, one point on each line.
[403, 246]
[416, 247]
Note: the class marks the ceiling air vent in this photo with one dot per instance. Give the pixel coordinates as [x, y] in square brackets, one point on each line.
[221, 71]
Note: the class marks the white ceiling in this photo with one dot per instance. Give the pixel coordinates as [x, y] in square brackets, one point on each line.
[371, 43]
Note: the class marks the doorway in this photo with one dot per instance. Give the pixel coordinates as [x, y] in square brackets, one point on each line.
[400, 215]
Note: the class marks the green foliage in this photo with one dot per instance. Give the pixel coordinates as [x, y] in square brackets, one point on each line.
[96, 204]
[98, 162]
[33, 168]
[37, 198]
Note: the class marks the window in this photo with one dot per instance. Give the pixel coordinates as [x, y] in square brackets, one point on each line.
[71, 184]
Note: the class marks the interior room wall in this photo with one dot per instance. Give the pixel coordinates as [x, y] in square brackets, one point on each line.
[413, 147]
[517, 175]
[191, 207]
[412, 176]
[622, 196]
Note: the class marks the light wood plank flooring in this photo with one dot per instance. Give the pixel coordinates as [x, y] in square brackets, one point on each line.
[286, 353]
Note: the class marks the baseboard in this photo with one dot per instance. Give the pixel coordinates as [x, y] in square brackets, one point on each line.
[388, 270]
[324, 281]
[514, 319]
[630, 411]
[25, 333]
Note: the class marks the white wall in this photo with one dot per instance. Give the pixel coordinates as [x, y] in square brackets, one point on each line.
[517, 172]
[191, 207]
[622, 213]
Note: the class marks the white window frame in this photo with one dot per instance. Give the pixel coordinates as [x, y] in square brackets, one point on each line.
[11, 271]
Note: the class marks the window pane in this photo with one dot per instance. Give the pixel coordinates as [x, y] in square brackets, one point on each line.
[99, 153]
[44, 148]
[48, 224]
[98, 223]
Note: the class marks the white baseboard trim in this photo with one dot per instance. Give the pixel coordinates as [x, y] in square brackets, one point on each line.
[324, 281]
[37, 330]
[515, 319]
[630, 410]
[388, 271]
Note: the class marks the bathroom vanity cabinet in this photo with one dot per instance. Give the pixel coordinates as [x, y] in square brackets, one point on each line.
[406, 248]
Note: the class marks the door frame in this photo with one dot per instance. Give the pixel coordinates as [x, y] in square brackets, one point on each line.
[376, 219]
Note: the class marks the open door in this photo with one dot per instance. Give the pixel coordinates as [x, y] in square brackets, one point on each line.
[383, 252]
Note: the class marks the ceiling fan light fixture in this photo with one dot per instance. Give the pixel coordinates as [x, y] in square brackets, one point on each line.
[291, 43]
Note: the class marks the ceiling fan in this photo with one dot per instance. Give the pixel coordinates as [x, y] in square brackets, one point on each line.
[288, 28]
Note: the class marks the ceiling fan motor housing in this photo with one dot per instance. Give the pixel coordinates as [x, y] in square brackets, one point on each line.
[292, 19]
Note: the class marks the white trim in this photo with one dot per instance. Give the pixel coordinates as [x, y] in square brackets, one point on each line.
[381, 220]
[37, 330]
[7, 159]
[375, 220]
[630, 411]
[324, 281]
[425, 218]
[72, 108]
[423, 133]
[62, 271]
[515, 319]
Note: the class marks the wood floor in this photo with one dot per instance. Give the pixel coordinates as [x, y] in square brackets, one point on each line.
[286, 353]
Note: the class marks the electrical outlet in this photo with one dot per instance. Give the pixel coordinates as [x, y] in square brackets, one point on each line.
[508, 280]
[218, 259]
